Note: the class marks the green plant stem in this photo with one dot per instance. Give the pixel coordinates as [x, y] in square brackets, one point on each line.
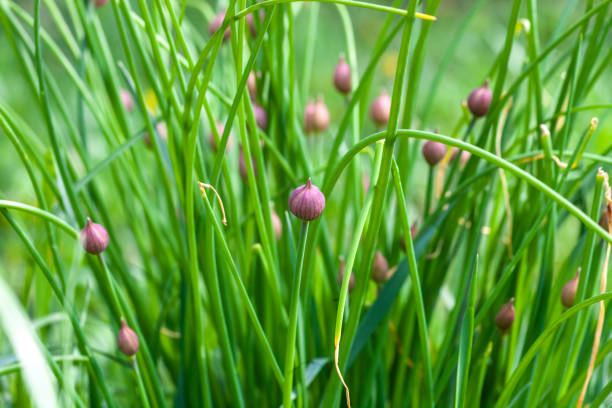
[293, 316]
[429, 192]
[141, 387]
[416, 283]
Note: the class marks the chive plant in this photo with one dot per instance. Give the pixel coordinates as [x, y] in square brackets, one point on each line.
[182, 129]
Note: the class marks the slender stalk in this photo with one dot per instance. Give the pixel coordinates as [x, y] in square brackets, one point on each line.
[290, 345]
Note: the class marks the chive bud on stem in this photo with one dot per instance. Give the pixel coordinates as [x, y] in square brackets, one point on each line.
[479, 100]
[505, 317]
[127, 340]
[94, 238]
[307, 202]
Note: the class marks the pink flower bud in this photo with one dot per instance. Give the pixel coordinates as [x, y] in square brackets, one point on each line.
[127, 340]
[307, 202]
[433, 152]
[381, 109]
[380, 268]
[342, 76]
[480, 100]
[505, 317]
[94, 238]
[126, 100]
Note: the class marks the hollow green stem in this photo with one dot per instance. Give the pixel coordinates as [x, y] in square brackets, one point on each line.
[293, 316]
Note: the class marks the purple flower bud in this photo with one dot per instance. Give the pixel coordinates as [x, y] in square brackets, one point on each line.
[127, 340]
[505, 317]
[211, 138]
[342, 76]
[568, 293]
[307, 202]
[100, 3]
[126, 100]
[162, 130]
[341, 271]
[261, 117]
[310, 112]
[413, 233]
[277, 224]
[242, 168]
[463, 157]
[252, 85]
[433, 152]
[380, 268]
[216, 24]
[251, 23]
[380, 109]
[321, 116]
[480, 100]
[94, 238]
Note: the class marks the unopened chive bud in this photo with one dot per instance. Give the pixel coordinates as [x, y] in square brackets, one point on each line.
[100, 3]
[480, 100]
[212, 141]
[242, 168]
[433, 152]
[463, 157]
[310, 112]
[341, 271]
[126, 100]
[342, 76]
[94, 238]
[277, 224]
[380, 109]
[261, 117]
[568, 293]
[380, 268]
[162, 131]
[216, 24]
[321, 116]
[505, 317]
[413, 233]
[252, 85]
[307, 202]
[127, 340]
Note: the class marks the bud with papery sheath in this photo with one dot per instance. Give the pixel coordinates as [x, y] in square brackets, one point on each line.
[380, 268]
[433, 152]
[381, 109]
[342, 76]
[568, 293]
[126, 100]
[321, 116]
[505, 317]
[277, 224]
[94, 238]
[480, 100]
[341, 272]
[216, 24]
[127, 340]
[261, 117]
[307, 202]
